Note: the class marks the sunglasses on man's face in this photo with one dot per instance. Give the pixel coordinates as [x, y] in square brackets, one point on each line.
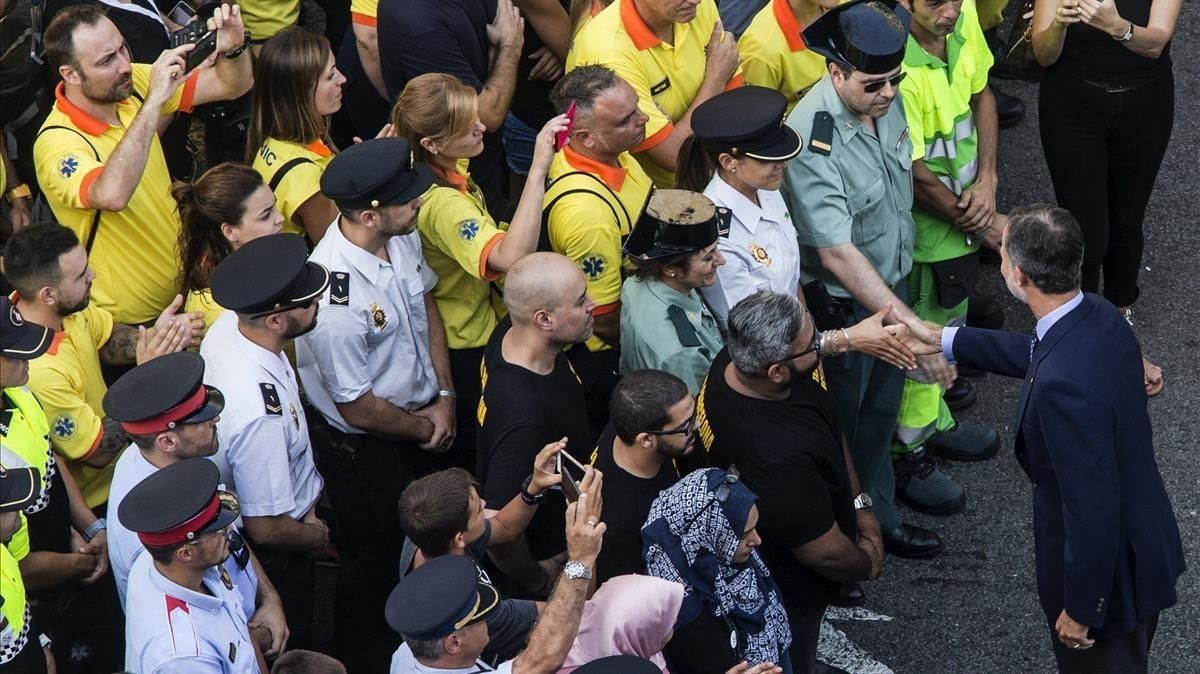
[685, 429]
[875, 85]
[813, 347]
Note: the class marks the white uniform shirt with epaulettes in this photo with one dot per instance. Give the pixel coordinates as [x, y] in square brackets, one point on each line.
[171, 629]
[124, 547]
[761, 252]
[264, 455]
[372, 331]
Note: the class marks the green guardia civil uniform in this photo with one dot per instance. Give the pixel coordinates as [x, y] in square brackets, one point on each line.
[937, 103]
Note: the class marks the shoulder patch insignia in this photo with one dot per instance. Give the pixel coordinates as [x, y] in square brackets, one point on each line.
[63, 427]
[68, 165]
[684, 329]
[821, 138]
[593, 266]
[339, 289]
[271, 399]
[468, 230]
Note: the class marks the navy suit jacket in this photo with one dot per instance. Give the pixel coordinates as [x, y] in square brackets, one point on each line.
[1108, 547]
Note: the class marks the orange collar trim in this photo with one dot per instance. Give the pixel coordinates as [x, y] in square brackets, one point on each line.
[58, 338]
[613, 176]
[643, 38]
[85, 122]
[453, 178]
[318, 146]
[789, 24]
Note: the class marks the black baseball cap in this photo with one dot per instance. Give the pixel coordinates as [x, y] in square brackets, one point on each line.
[21, 339]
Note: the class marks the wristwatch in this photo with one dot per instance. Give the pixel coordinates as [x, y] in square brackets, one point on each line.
[19, 192]
[576, 570]
[862, 502]
[99, 525]
[528, 498]
[238, 51]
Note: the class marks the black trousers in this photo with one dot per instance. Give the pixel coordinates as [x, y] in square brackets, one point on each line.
[364, 476]
[1123, 655]
[1103, 151]
[805, 621]
[292, 575]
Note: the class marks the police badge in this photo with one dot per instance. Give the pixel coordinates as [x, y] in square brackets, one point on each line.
[377, 316]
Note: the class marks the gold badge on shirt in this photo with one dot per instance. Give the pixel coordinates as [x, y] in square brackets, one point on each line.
[225, 579]
[295, 416]
[760, 254]
[377, 316]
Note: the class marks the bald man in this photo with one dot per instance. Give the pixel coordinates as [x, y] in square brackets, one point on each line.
[531, 397]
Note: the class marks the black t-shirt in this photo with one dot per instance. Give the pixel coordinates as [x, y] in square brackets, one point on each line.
[627, 500]
[1092, 54]
[531, 100]
[789, 453]
[520, 412]
[701, 646]
[446, 36]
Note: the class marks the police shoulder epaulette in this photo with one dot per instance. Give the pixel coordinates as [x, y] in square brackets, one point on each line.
[820, 140]
[339, 289]
[684, 330]
[271, 401]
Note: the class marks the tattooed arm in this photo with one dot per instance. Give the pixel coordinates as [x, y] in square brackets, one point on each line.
[121, 347]
[113, 440]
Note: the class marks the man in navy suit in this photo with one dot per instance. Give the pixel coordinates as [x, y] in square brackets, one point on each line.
[1108, 547]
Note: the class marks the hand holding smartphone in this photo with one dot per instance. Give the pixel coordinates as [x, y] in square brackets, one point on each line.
[570, 486]
[562, 137]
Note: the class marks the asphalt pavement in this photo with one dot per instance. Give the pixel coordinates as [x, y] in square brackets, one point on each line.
[975, 607]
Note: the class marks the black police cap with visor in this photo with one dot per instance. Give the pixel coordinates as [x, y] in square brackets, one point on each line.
[746, 122]
[675, 222]
[178, 504]
[21, 339]
[268, 275]
[440, 597]
[163, 393]
[375, 173]
[866, 35]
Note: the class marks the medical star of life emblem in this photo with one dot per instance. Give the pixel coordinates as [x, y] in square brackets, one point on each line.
[63, 427]
[68, 165]
[468, 230]
[593, 266]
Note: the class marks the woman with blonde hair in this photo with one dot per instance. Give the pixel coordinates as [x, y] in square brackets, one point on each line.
[221, 211]
[297, 87]
[467, 248]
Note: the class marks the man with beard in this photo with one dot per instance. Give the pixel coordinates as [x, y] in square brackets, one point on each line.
[49, 269]
[595, 192]
[271, 292]
[185, 615]
[652, 418]
[177, 423]
[531, 397]
[98, 156]
[850, 192]
[377, 373]
[764, 410]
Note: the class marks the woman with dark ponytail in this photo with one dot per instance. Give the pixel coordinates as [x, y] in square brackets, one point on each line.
[222, 210]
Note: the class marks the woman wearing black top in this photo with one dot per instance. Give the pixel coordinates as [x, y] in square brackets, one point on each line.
[1106, 109]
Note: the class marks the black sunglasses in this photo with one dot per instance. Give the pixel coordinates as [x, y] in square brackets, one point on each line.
[685, 429]
[720, 495]
[813, 346]
[875, 85]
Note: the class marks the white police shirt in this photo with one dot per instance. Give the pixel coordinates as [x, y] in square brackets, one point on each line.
[761, 252]
[170, 629]
[264, 454]
[124, 547]
[403, 662]
[372, 332]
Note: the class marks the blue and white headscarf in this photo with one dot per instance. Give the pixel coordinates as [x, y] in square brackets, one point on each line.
[699, 556]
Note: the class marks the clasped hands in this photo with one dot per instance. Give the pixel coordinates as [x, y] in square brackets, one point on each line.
[924, 340]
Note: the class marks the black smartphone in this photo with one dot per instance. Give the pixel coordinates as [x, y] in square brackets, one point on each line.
[196, 33]
[569, 486]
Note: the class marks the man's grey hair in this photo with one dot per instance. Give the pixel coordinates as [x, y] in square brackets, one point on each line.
[1046, 243]
[762, 328]
[426, 650]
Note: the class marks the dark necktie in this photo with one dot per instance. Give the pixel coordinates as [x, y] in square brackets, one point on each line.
[1033, 344]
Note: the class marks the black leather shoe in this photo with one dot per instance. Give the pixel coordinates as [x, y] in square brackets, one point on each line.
[1009, 109]
[912, 542]
[960, 396]
[849, 594]
[965, 442]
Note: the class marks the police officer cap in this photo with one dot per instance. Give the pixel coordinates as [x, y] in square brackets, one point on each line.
[440, 597]
[21, 339]
[178, 504]
[19, 487]
[374, 174]
[747, 121]
[163, 393]
[674, 222]
[620, 664]
[268, 275]
[866, 35]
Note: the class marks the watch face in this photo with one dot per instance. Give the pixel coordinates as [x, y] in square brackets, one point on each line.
[575, 569]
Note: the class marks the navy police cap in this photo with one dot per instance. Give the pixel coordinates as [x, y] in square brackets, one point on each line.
[375, 173]
[21, 339]
[268, 275]
[747, 121]
[177, 504]
[163, 393]
[440, 597]
[866, 35]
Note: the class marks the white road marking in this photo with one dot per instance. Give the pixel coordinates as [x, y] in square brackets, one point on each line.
[835, 648]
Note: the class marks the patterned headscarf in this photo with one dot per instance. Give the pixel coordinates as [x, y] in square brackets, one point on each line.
[691, 536]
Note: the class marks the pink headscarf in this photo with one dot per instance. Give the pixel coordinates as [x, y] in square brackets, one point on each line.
[628, 615]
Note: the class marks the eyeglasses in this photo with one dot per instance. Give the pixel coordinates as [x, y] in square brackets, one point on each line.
[212, 534]
[813, 346]
[875, 85]
[721, 495]
[685, 429]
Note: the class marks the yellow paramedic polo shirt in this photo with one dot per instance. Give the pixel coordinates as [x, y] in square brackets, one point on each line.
[584, 229]
[364, 12]
[665, 76]
[68, 383]
[457, 235]
[266, 18]
[302, 180]
[134, 253]
[774, 54]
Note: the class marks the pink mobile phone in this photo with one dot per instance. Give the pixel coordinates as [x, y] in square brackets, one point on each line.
[560, 139]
